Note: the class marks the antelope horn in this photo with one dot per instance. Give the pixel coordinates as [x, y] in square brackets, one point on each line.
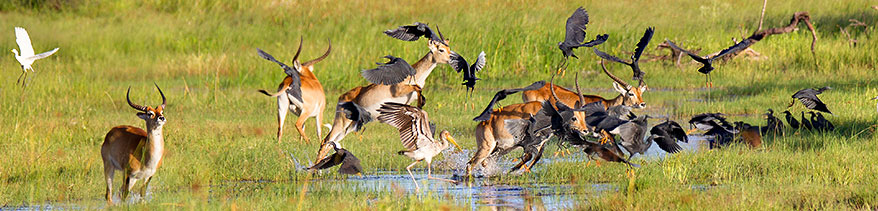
[552, 88]
[135, 106]
[620, 81]
[640, 83]
[578, 92]
[318, 59]
[296, 57]
[440, 33]
[164, 100]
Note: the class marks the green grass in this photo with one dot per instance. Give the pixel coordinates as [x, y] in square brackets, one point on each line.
[202, 53]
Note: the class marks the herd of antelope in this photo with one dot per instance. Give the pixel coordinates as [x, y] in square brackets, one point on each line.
[547, 110]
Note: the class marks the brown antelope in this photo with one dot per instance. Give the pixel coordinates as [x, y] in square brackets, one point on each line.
[136, 152]
[628, 95]
[372, 96]
[313, 98]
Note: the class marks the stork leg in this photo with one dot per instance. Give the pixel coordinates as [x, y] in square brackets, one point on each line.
[429, 176]
[409, 169]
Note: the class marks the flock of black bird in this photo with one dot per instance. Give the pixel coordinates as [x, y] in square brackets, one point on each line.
[604, 123]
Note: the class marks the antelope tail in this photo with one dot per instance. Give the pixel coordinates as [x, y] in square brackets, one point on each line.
[272, 95]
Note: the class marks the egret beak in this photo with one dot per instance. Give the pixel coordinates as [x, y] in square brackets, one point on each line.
[451, 139]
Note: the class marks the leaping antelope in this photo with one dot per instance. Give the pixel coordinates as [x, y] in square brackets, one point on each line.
[313, 100]
[136, 152]
[628, 95]
[372, 96]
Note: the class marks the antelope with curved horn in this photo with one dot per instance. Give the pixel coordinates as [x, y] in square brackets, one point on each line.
[136, 152]
[313, 99]
[628, 95]
[372, 96]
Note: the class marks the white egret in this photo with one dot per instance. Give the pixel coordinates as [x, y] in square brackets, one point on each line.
[27, 57]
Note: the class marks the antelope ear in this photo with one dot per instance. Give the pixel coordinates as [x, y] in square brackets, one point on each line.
[618, 88]
[143, 115]
[432, 45]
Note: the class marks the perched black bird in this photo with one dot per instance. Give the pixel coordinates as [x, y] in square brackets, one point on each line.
[635, 58]
[469, 72]
[667, 134]
[349, 163]
[708, 61]
[415, 31]
[808, 97]
[818, 125]
[772, 123]
[791, 120]
[721, 135]
[575, 34]
[296, 86]
[355, 113]
[829, 126]
[394, 71]
[486, 114]
[805, 123]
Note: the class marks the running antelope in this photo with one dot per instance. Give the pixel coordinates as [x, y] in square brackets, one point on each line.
[372, 96]
[136, 152]
[628, 95]
[313, 100]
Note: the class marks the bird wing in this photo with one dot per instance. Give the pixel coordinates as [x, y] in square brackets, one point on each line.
[644, 41]
[355, 113]
[458, 63]
[412, 123]
[734, 48]
[350, 164]
[24, 43]
[631, 133]
[666, 143]
[329, 161]
[500, 95]
[478, 64]
[296, 85]
[406, 33]
[694, 56]
[814, 103]
[43, 55]
[677, 132]
[576, 26]
[517, 127]
[533, 86]
[609, 57]
[600, 39]
[609, 123]
[392, 72]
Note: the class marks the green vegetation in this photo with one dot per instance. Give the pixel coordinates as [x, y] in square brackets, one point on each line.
[220, 130]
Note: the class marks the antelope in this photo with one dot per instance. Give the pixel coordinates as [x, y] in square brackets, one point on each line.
[313, 97]
[136, 152]
[628, 95]
[372, 96]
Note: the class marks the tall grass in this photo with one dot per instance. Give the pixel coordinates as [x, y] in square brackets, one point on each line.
[202, 53]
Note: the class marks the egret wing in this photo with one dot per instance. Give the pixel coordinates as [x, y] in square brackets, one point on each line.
[24, 43]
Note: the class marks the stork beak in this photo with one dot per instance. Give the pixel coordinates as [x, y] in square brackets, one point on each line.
[451, 139]
[691, 131]
[792, 103]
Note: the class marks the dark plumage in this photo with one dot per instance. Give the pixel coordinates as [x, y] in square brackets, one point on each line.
[469, 72]
[805, 123]
[667, 134]
[632, 133]
[296, 86]
[355, 113]
[575, 34]
[635, 58]
[708, 61]
[808, 97]
[827, 124]
[415, 31]
[708, 121]
[486, 114]
[772, 124]
[394, 71]
[349, 163]
[791, 120]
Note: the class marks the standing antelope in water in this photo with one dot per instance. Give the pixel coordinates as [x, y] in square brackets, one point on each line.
[628, 95]
[136, 152]
[310, 101]
[372, 96]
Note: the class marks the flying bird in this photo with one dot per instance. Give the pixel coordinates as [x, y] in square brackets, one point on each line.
[349, 163]
[635, 58]
[296, 85]
[667, 134]
[416, 135]
[414, 32]
[808, 97]
[500, 95]
[26, 57]
[708, 61]
[355, 113]
[575, 35]
[469, 71]
[632, 133]
[394, 71]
